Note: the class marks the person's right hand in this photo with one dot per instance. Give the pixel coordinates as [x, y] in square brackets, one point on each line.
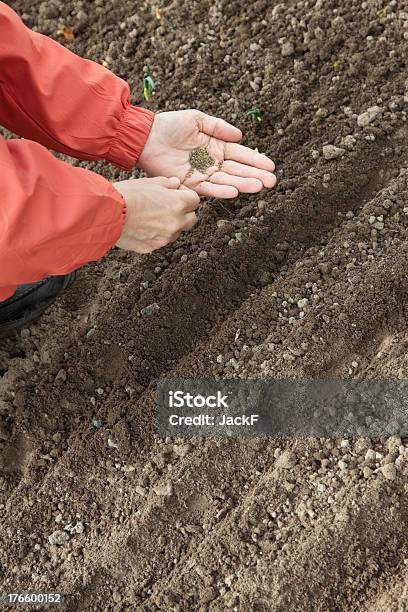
[157, 212]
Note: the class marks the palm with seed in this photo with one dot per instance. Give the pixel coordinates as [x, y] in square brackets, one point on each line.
[236, 169]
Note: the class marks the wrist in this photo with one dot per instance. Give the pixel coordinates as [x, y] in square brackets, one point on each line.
[149, 152]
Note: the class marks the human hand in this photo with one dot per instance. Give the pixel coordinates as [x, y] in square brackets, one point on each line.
[233, 168]
[157, 212]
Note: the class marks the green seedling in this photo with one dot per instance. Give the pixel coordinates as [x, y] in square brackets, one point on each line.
[254, 112]
[149, 86]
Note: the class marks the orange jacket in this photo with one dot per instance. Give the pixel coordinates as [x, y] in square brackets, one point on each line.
[55, 217]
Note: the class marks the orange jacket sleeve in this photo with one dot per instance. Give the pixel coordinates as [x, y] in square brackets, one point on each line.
[65, 102]
[53, 217]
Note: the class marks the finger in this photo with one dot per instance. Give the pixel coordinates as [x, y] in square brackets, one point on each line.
[139, 246]
[169, 183]
[244, 185]
[189, 221]
[245, 155]
[159, 242]
[268, 179]
[218, 128]
[211, 190]
[190, 199]
[172, 238]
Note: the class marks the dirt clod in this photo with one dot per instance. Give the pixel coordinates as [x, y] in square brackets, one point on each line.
[368, 116]
[286, 460]
[149, 310]
[164, 490]
[58, 537]
[389, 471]
[332, 152]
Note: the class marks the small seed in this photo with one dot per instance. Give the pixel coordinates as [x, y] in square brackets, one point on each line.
[201, 160]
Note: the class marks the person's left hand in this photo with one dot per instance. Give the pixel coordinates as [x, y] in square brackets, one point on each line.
[237, 169]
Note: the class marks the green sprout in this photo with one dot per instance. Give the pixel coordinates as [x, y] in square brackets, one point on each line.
[149, 86]
[254, 112]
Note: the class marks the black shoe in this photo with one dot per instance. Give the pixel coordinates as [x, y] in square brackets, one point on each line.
[30, 301]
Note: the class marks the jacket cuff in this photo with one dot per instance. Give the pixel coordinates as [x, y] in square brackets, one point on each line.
[130, 139]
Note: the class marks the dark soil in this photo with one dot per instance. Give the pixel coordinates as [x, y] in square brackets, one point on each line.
[307, 280]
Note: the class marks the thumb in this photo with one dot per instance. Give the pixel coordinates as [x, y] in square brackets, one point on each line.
[218, 128]
[169, 183]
